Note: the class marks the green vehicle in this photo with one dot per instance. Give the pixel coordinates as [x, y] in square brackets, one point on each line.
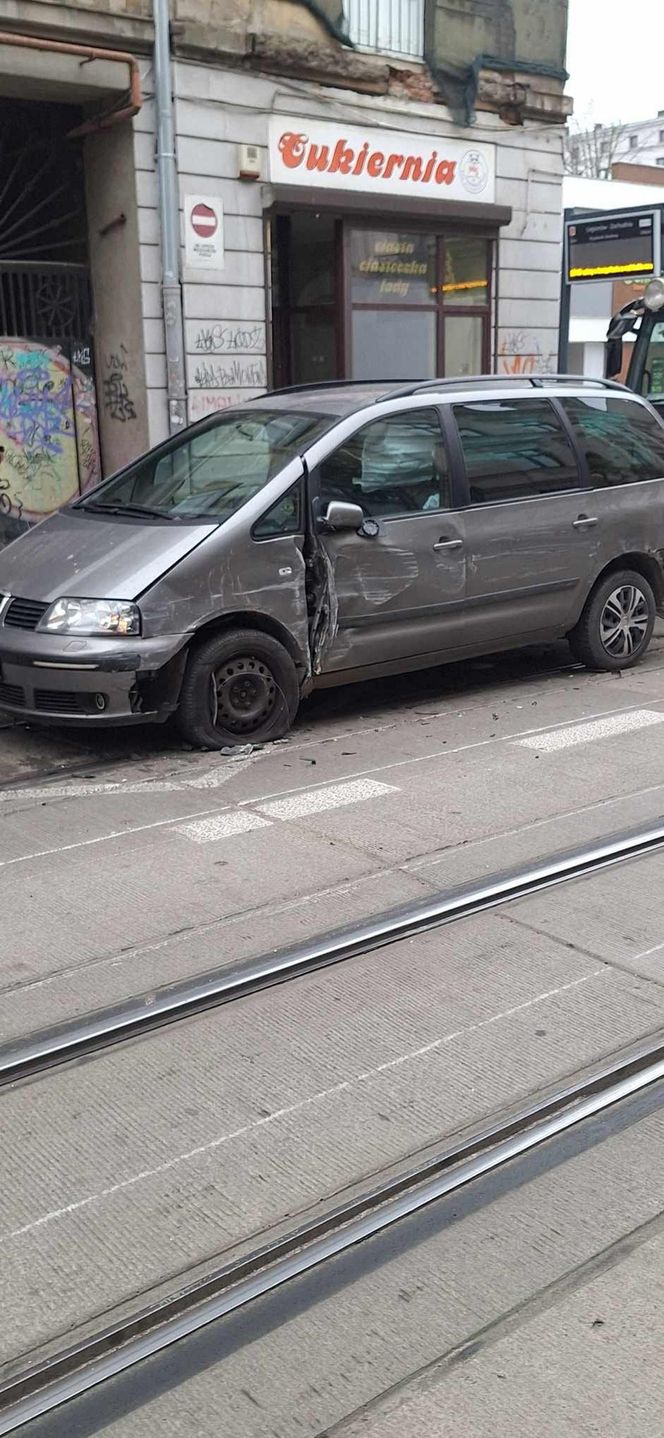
[645, 317]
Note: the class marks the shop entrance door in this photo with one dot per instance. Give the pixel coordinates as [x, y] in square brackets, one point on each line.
[306, 251]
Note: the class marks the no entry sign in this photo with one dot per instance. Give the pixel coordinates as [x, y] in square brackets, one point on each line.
[204, 221]
[204, 235]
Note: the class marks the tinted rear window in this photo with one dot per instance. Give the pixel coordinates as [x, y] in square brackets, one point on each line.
[623, 443]
[514, 449]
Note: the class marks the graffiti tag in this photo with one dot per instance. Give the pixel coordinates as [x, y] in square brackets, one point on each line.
[118, 402]
[230, 339]
[235, 375]
[520, 353]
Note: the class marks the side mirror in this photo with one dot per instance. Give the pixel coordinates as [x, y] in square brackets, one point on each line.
[340, 515]
[614, 358]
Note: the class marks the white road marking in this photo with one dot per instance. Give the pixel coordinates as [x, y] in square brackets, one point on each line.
[334, 796]
[446, 753]
[312, 801]
[646, 953]
[283, 793]
[222, 826]
[298, 1107]
[83, 789]
[604, 728]
[409, 867]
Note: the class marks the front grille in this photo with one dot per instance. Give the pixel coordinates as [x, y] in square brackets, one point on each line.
[25, 613]
[64, 701]
[12, 694]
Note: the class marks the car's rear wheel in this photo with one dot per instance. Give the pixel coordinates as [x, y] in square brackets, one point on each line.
[239, 687]
[616, 626]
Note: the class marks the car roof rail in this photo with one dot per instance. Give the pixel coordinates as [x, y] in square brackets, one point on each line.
[536, 381]
[401, 389]
[333, 384]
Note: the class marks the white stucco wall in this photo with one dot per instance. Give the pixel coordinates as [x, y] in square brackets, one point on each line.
[225, 310]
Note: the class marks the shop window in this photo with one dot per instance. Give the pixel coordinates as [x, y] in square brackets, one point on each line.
[466, 280]
[394, 344]
[419, 304]
[464, 342]
[387, 268]
[376, 304]
[393, 27]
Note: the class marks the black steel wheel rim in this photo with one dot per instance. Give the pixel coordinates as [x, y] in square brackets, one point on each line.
[244, 694]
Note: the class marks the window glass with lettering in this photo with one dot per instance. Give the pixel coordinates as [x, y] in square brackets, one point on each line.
[622, 441]
[392, 269]
[394, 466]
[514, 449]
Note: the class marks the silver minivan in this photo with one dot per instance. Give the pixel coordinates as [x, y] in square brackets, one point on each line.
[335, 533]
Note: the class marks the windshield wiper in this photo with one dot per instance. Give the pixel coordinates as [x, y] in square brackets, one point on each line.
[131, 509]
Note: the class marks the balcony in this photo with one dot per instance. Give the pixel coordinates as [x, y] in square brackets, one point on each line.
[387, 27]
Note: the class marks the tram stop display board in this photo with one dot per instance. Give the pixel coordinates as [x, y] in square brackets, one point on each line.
[613, 246]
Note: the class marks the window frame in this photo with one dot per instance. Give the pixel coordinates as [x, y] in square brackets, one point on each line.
[583, 487]
[456, 497]
[441, 233]
[298, 529]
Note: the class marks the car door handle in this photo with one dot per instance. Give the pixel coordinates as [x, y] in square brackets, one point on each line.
[584, 521]
[449, 544]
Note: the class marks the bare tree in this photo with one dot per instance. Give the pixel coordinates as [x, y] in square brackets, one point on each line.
[592, 152]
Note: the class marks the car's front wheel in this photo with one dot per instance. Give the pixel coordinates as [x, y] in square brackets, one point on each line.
[239, 687]
[616, 626]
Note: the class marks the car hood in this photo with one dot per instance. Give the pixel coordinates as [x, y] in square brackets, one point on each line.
[94, 556]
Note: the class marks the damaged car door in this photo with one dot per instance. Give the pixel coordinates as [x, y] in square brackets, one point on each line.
[390, 570]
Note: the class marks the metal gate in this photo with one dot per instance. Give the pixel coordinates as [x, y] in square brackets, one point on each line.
[49, 441]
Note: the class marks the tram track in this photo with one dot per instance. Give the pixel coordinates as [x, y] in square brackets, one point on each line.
[46, 1049]
[150, 1329]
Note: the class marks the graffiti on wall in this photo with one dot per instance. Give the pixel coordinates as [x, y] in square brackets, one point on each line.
[203, 402]
[118, 402]
[49, 448]
[235, 374]
[230, 339]
[520, 352]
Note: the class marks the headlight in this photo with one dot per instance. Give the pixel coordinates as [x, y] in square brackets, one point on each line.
[653, 298]
[92, 616]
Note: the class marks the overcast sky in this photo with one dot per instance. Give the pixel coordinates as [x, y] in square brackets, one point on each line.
[615, 58]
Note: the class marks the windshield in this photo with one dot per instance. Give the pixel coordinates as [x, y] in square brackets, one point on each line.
[209, 473]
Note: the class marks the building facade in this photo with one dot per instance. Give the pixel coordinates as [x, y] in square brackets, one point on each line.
[365, 190]
[594, 153]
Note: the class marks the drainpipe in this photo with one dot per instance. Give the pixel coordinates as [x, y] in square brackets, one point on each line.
[169, 216]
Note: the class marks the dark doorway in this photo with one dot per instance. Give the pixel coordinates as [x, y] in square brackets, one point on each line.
[49, 448]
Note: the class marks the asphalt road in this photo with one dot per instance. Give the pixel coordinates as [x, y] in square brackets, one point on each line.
[127, 862]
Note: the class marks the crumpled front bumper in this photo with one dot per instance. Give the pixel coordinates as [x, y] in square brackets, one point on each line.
[61, 679]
